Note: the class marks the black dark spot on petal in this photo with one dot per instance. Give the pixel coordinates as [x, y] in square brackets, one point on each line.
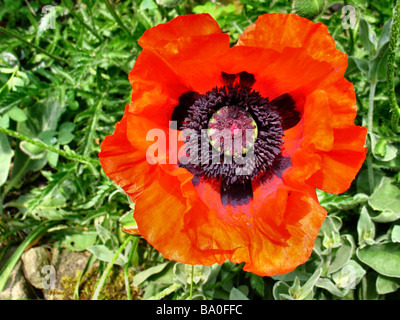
[243, 79]
[236, 194]
[286, 108]
[246, 79]
[228, 78]
[196, 180]
[281, 165]
[180, 112]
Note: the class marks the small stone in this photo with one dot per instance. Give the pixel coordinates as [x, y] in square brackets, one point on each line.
[34, 260]
[66, 264]
[16, 288]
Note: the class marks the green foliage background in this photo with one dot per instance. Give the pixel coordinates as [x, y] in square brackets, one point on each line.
[62, 89]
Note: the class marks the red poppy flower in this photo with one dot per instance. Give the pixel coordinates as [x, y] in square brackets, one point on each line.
[284, 82]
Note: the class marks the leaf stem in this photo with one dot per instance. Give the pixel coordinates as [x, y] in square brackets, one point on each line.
[127, 265]
[370, 123]
[70, 155]
[390, 83]
[17, 36]
[70, 6]
[103, 278]
[191, 284]
[92, 128]
[115, 16]
[166, 292]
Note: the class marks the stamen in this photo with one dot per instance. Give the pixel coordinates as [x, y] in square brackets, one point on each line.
[233, 108]
[235, 127]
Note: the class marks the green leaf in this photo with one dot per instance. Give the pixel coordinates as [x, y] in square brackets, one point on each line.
[349, 275]
[330, 231]
[80, 241]
[65, 134]
[378, 65]
[103, 253]
[396, 233]
[236, 294]
[106, 236]
[145, 274]
[257, 283]
[6, 154]
[183, 272]
[33, 151]
[17, 114]
[148, 5]
[343, 254]
[381, 149]
[385, 36]
[280, 291]
[386, 198]
[306, 291]
[368, 37]
[365, 228]
[385, 285]
[383, 258]
[4, 121]
[328, 285]
[368, 287]
[355, 65]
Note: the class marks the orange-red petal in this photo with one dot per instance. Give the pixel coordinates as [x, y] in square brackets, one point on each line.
[191, 46]
[123, 163]
[279, 31]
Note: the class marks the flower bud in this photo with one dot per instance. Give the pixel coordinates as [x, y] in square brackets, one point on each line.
[309, 9]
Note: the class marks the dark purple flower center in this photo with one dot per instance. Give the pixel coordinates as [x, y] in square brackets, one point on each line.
[234, 135]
